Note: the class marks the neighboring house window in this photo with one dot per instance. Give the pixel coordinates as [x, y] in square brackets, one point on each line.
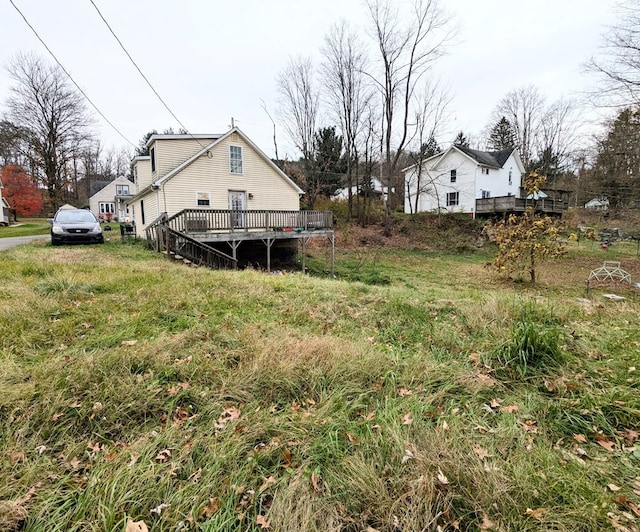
[122, 190]
[135, 175]
[152, 153]
[510, 175]
[454, 176]
[107, 208]
[142, 211]
[485, 171]
[235, 159]
[486, 194]
[452, 199]
[202, 199]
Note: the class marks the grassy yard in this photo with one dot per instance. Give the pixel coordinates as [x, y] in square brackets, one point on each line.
[26, 227]
[418, 391]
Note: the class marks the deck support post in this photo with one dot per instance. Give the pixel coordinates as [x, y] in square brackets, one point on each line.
[268, 242]
[332, 238]
[234, 244]
[304, 252]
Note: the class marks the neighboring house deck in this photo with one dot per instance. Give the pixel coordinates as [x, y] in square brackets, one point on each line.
[511, 204]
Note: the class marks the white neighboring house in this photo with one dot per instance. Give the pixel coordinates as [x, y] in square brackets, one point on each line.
[4, 208]
[597, 204]
[452, 180]
[110, 202]
[377, 191]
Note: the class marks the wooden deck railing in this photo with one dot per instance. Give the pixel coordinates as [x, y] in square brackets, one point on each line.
[513, 204]
[203, 220]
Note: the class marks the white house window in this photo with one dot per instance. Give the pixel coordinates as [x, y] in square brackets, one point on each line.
[454, 176]
[235, 159]
[510, 175]
[122, 190]
[452, 199]
[135, 175]
[107, 208]
[485, 171]
[203, 199]
[152, 153]
[486, 194]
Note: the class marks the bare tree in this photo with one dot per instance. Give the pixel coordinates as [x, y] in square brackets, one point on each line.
[406, 55]
[430, 115]
[53, 117]
[523, 108]
[618, 67]
[347, 92]
[299, 111]
[558, 135]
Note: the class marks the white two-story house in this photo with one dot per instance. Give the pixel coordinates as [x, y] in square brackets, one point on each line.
[452, 180]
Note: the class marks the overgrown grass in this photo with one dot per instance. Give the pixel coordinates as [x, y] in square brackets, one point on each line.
[444, 398]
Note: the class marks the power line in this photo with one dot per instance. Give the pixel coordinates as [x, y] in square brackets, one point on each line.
[142, 74]
[70, 77]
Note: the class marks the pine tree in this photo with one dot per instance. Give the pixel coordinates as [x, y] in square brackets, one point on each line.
[501, 136]
[461, 140]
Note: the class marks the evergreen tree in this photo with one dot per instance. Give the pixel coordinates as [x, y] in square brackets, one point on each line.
[429, 148]
[501, 136]
[617, 167]
[461, 140]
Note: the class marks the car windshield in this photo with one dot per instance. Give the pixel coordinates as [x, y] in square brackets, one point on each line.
[75, 217]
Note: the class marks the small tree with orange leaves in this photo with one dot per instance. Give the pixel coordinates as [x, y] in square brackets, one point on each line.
[523, 241]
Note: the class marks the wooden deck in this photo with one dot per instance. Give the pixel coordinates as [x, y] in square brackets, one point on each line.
[234, 227]
[511, 204]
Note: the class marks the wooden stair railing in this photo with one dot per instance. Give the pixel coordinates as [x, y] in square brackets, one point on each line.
[171, 241]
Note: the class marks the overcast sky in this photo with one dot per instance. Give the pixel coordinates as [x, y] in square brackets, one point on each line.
[212, 60]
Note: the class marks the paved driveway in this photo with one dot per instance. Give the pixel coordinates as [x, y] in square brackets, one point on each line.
[6, 243]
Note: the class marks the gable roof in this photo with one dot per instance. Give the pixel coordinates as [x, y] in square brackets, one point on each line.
[97, 186]
[495, 159]
[492, 159]
[198, 154]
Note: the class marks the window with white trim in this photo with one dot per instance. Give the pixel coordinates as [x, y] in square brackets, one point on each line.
[107, 208]
[122, 190]
[453, 198]
[235, 159]
[203, 199]
[152, 153]
[510, 175]
[484, 171]
[486, 194]
[454, 175]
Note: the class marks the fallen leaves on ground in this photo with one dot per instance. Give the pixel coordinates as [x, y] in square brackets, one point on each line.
[315, 482]
[407, 419]
[537, 514]
[211, 507]
[136, 526]
[263, 522]
[442, 479]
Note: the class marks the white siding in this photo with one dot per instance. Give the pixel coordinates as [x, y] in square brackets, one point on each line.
[470, 182]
